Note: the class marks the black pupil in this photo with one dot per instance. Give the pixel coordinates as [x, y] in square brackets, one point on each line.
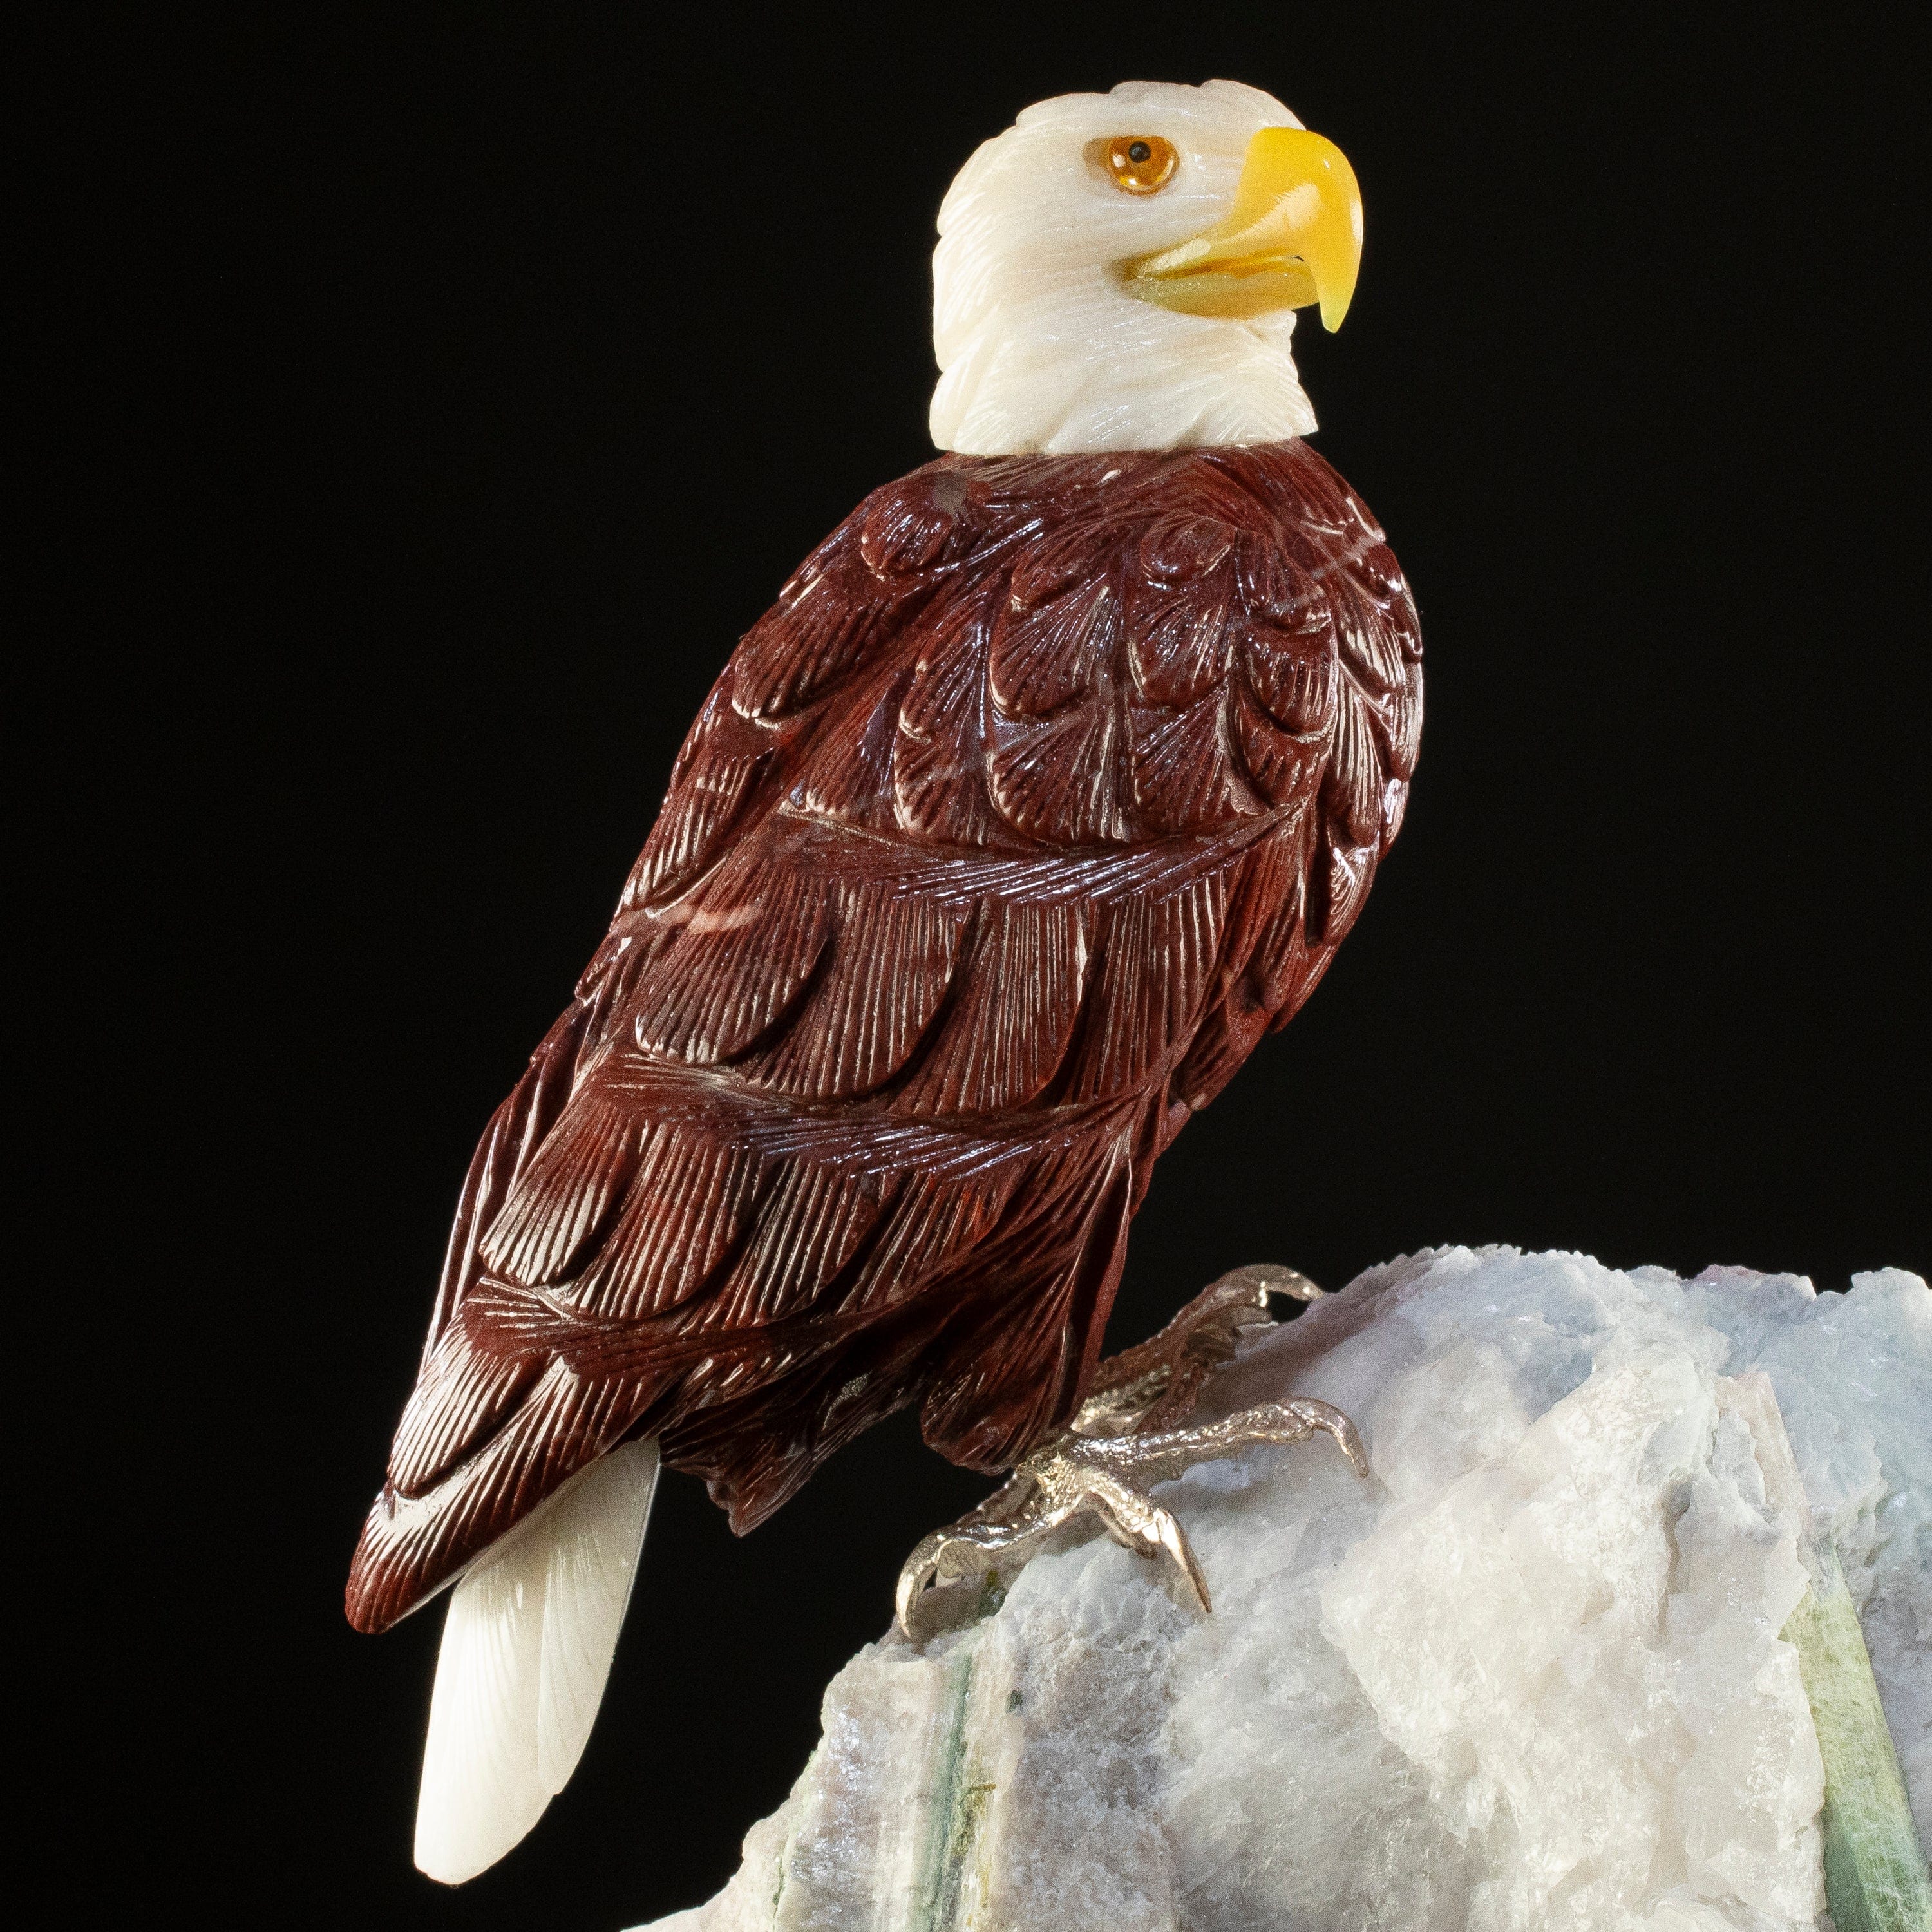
[1138, 151]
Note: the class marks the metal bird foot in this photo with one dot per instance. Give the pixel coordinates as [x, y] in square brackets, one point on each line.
[1123, 1442]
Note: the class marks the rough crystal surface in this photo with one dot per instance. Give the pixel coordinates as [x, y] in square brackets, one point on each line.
[1528, 1675]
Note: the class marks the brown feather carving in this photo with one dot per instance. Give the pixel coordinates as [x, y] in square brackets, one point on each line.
[1047, 785]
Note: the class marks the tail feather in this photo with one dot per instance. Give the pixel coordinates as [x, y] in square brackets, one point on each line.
[526, 1651]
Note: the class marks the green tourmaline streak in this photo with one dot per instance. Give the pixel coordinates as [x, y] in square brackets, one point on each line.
[952, 1818]
[1875, 1873]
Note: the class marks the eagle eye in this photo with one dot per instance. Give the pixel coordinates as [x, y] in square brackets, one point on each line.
[1137, 163]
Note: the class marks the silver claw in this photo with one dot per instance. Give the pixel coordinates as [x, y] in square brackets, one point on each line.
[1105, 1477]
[1272, 1278]
[1121, 1444]
[1332, 1422]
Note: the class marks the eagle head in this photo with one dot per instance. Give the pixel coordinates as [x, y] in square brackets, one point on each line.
[1121, 271]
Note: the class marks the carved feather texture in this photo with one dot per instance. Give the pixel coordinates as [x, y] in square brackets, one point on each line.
[1046, 788]
[1012, 1014]
[888, 970]
[691, 1202]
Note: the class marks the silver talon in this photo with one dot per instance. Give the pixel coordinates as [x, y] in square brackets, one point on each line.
[1120, 1444]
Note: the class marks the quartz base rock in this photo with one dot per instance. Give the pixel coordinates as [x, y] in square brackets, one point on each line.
[1528, 1675]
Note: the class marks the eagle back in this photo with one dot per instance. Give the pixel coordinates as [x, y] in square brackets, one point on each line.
[1046, 786]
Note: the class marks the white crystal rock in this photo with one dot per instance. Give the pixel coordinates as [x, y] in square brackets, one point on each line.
[1528, 1674]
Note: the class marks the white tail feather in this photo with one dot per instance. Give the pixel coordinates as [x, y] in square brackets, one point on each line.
[526, 1651]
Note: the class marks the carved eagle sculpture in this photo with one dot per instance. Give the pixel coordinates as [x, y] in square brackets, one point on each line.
[1051, 782]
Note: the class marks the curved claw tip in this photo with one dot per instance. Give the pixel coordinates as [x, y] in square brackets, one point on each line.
[905, 1605]
[1292, 1283]
[1348, 1438]
[1174, 1540]
[919, 1571]
[926, 1607]
[1268, 1278]
[1330, 1420]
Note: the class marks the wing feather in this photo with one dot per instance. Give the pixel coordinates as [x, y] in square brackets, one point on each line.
[460, 1398]
[1281, 765]
[1056, 781]
[890, 968]
[808, 1223]
[566, 1194]
[933, 1220]
[689, 1205]
[1183, 775]
[723, 756]
[1013, 1015]
[939, 787]
[1045, 654]
[1157, 957]
[750, 944]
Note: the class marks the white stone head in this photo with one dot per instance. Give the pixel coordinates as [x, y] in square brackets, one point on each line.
[1121, 272]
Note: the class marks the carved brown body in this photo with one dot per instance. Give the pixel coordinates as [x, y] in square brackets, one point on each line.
[1047, 785]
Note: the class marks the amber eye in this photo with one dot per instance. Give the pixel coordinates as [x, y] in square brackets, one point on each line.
[1140, 163]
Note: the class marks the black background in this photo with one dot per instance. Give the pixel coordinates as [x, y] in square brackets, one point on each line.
[453, 393]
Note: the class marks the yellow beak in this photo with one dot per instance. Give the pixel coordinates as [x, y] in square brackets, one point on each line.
[1293, 237]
